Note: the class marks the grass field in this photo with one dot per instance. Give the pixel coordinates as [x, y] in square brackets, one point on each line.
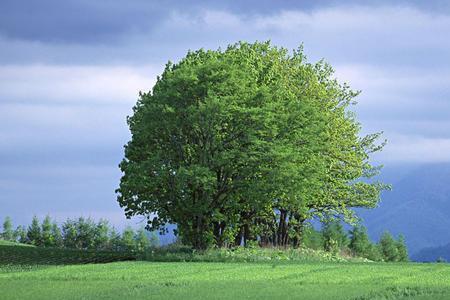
[21, 279]
[155, 280]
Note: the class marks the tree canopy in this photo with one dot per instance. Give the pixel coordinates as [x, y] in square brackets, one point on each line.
[246, 143]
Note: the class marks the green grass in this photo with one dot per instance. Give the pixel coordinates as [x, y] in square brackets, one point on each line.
[7, 243]
[190, 280]
[241, 254]
[39, 273]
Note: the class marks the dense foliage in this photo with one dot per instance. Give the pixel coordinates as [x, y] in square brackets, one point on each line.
[81, 234]
[246, 144]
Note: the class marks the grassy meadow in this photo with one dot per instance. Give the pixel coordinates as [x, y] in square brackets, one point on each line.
[36, 274]
[199, 280]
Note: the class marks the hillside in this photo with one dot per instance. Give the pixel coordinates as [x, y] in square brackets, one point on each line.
[418, 207]
[432, 254]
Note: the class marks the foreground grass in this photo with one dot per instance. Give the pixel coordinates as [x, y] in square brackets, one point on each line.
[181, 273]
[201, 280]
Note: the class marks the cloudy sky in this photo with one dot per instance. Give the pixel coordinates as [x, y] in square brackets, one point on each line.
[70, 72]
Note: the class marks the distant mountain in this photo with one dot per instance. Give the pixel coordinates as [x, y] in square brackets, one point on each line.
[418, 207]
[433, 254]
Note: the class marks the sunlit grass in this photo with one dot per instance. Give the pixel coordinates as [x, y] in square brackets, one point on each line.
[39, 273]
[190, 280]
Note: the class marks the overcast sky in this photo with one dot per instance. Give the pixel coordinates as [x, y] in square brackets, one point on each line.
[70, 72]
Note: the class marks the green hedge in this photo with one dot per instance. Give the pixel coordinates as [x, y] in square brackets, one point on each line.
[23, 255]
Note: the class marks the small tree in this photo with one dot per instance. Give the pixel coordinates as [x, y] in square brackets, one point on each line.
[20, 234]
[312, 238]
[8, 232]
[441, 260]
[57, 236]
[86, 229]
[70, 234]
[102, 235]
[127, 241]
[375, 253]
[47, 233]
[388, 247]
[115, 241]
[360, 244]
[402, 250]
[334, 236]
[153, 238]
[34, 235]
[141, 240]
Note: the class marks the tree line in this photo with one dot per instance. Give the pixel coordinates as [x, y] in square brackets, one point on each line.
[245, 145]
[82, 233]
[356, 242]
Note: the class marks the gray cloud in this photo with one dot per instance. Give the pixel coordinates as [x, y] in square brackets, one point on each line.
[78, 21]
[103, 21]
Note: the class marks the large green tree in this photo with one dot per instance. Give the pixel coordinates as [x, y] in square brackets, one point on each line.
[243, 144]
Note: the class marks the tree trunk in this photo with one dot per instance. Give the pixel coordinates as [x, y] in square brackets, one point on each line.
[217, 233]
[238, 238]
[281, 229]
[299, 230]
[246, 234]
[198, 234]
